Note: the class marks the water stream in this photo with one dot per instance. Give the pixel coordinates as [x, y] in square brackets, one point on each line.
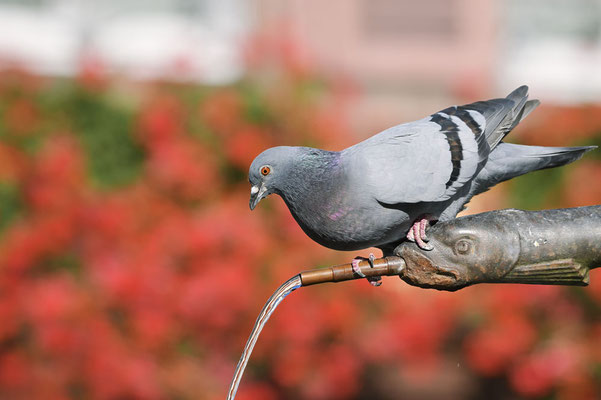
[268, 309]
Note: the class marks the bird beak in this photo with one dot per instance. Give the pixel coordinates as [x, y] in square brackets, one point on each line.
[257, 192]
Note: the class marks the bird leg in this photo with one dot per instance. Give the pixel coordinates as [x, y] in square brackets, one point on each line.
[373, 280]
[417, 232]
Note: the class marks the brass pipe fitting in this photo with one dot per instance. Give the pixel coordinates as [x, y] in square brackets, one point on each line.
[384, 266]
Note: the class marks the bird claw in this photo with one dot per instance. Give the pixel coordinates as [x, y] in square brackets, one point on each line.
[373, 280]
[371, 259]
[423, 224]
[355, 266]
[417, 233]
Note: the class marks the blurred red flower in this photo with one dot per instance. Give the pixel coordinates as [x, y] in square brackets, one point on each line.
[222, 111]
[147, 288]
[245, 144]
[22, 117]
[495, 346]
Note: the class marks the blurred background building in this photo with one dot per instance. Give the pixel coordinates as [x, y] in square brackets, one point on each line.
[183, 39]
[432, 49]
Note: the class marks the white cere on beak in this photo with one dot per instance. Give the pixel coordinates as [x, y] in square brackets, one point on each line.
[254, 190]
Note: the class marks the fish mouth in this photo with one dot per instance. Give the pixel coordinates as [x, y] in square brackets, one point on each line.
[427, 270]
[257, 192]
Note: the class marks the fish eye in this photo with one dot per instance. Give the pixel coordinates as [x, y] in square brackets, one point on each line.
[265, 170]
[463, 246]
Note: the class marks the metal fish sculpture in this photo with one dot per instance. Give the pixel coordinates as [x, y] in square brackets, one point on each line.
[551, 247]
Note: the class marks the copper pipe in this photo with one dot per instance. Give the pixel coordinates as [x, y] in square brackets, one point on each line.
[384, 266]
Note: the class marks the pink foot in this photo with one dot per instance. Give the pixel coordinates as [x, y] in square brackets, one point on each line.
[417, 232]
[373, 280]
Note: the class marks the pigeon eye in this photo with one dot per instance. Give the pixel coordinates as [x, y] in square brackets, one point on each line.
[265, 170]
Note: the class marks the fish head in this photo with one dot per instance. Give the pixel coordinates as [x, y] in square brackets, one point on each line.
[464, 252]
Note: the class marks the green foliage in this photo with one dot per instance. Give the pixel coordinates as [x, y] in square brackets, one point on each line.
[104, 128]
[10, 203]
[536, 190]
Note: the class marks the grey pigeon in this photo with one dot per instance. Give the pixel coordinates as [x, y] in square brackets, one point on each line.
[388, 187]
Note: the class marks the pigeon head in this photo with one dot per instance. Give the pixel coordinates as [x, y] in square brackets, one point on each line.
[268, 171]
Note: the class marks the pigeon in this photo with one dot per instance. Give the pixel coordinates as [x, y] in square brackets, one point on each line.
[390, 187]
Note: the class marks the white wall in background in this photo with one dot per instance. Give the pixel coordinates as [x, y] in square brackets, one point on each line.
[554, 46]
[184, 39]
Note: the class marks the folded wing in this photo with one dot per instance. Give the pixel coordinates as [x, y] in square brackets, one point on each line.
[431, 159]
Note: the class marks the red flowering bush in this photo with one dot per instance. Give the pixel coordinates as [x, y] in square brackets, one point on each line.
[131, 267]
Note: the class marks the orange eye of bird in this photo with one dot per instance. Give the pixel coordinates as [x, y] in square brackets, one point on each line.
[265, 170]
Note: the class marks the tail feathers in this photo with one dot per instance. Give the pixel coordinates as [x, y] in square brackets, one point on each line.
[518, 109]
[501, 115]
[528, 108]
[511, 160]
[519, 94]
